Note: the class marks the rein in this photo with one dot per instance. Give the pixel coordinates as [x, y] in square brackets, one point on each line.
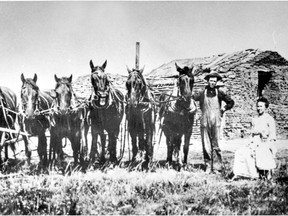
[36, 88]
[71, 109]
[144, 93]
[178, 108]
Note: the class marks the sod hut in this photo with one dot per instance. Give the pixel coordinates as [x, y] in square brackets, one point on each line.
[246, 75]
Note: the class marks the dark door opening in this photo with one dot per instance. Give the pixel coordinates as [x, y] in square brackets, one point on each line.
[263, 79]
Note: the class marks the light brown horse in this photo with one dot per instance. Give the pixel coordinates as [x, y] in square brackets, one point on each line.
[69, 121]
[34, 104]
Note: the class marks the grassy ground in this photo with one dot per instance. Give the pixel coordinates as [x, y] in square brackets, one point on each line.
[159, 190]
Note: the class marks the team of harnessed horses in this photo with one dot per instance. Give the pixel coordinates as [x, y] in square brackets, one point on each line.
[65, 116]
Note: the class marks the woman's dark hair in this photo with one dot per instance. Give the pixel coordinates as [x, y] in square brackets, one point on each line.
[264, 100]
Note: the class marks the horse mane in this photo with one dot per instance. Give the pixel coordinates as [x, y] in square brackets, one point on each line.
[140, 75]
[143, 79]
[103, 74]
[32, 83]
[45, 98]
[147, 88]
[63, 80]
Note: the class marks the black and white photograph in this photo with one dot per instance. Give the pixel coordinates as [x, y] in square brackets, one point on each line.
[143, 107]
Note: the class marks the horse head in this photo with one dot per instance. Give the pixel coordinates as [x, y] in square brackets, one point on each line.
[136, 86]
[62, 93]
[100, 83]
[185, 81]
[29, 96]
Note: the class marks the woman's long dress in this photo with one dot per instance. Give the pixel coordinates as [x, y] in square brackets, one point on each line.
[259, 154]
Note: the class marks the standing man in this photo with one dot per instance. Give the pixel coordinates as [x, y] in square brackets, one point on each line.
[210, 104]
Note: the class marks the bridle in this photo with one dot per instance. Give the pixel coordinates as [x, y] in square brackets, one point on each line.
[179, 94]
[56, 103]
[142, 92]
[98, 96]
[36, 101]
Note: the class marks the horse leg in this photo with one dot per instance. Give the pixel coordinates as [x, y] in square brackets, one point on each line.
[169, 148]
[83, 145]
[52, 147]
[149, 143]
[112, 146]
[84, 138]
[6, 153]
[186, 146]
[94, 145]
[1, 147]
[42, 148]
[59, 154]
[75, 140]
[176, 147]
[56, 144]
[27, 149]
[134, 145]
[103, 144]
[142, 143]
[84, 128]
[1, 162]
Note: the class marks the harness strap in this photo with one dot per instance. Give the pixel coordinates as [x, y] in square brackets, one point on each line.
[5, 116]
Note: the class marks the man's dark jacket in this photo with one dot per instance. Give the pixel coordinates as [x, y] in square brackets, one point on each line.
[212, 93]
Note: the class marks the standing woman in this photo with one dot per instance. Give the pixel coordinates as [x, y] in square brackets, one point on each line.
[257, 159]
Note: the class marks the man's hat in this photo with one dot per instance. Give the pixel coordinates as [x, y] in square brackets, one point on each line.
[213, 74]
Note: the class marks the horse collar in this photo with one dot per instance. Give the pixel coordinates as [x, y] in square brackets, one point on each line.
[98, 99]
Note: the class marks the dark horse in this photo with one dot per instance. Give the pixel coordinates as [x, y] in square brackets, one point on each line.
[177, 111]
[8, 115]
[34, 104]
[68, 121]
[106, 112]
[140, 114]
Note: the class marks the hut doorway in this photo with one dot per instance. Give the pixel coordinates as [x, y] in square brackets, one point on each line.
[263, 79]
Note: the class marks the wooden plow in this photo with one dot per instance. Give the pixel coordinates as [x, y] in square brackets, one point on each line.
[4, 142]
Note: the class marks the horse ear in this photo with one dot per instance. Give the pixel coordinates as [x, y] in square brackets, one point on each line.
[129, 71]
[191, 70]
[104, 64]
[56, 78]
[141, 71]
[178, 68]
[70, 78]
[35, 78]
[91, 64]
[22, 78]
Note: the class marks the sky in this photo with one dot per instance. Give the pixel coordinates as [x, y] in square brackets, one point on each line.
[60, 38]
